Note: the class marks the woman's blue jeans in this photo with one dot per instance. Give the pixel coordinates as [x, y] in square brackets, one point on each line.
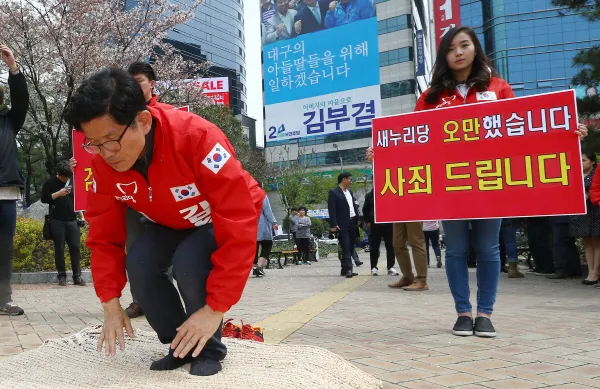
[486, 235]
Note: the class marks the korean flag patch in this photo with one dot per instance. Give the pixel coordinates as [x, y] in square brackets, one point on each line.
[486, 96]
[217, 158]
[185, 192]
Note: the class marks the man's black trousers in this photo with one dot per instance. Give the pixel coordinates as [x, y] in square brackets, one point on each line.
[189, 252]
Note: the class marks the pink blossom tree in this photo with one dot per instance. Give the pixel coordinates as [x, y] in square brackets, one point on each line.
[58, 43]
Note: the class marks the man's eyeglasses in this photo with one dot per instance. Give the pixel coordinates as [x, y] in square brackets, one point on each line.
[112, 145]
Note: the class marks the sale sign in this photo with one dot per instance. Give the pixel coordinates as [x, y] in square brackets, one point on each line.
[446, 15]
[217, 88]
[510, 158]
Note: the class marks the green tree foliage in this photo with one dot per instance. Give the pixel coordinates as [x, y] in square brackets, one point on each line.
[252, 160]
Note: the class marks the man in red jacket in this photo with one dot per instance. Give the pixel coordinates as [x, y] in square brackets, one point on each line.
[180, 172]
[145, 76]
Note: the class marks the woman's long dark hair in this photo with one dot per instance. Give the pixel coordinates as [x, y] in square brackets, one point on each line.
[443, 80]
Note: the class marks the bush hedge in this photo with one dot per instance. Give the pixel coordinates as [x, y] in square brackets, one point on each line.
[33, 254]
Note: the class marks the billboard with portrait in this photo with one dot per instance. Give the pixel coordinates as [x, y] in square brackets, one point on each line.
[320, 67]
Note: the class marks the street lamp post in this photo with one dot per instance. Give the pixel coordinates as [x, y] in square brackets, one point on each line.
[335, 146]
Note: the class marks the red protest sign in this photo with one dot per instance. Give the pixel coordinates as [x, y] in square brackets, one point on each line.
[82, 175]
[509, 158]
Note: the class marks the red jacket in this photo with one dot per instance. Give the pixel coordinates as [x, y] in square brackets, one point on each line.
[156, 104]
[194, 179]
[497, 90]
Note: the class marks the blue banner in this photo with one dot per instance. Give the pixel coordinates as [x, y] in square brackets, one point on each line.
[329, 61]
[420, 62]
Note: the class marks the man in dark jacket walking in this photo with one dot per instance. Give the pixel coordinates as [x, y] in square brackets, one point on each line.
[343, 219]
[11, 180]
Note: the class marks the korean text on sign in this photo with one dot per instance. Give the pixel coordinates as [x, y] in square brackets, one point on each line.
[509, 158]
[83, 177]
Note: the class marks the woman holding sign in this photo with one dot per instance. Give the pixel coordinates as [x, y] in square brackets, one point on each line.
[464, 75]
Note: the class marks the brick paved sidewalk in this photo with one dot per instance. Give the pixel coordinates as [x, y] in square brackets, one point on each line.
[548, 330]
[548, 335]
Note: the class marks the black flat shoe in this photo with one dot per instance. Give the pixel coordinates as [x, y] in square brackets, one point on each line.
[586, 282]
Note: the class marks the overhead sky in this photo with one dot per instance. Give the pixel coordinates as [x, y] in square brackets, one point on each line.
[253, 66]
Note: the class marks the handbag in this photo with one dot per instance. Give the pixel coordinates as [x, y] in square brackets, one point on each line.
[46, 232]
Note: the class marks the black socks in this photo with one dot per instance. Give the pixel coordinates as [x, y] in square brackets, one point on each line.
[201, 365]
[169, 362]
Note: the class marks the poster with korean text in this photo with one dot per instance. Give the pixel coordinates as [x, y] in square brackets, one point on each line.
[510, 158]
[320, 66]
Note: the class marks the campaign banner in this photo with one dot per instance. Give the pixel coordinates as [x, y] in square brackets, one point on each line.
[508, 158]
[83, 176]
[326, 114]
[446, 14]
[320, 76]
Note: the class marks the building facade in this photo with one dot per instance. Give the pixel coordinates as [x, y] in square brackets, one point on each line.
[532, 43]
[216, 34]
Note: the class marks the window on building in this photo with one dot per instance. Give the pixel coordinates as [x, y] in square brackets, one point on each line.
[239, 16]
[331, 158]
[391, 57]
[322, 139]
[398, 88]
[395, 23]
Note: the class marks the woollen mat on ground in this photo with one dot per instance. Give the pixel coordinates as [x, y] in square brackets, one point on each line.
[74, 362]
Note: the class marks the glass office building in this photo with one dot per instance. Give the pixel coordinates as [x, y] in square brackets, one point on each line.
[532, 43]
[216, 34]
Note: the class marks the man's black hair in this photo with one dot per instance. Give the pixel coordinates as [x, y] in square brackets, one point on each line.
[142, 68]
[342, 176]
[63, 169]
[294, 209]
[110, 91]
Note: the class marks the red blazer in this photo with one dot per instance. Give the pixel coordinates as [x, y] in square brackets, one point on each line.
[194, 179]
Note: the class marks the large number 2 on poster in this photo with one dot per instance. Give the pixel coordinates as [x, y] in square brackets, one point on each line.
[273, 131]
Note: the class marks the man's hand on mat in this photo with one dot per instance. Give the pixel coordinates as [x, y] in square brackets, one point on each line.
[115, 319]
[196, 331]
